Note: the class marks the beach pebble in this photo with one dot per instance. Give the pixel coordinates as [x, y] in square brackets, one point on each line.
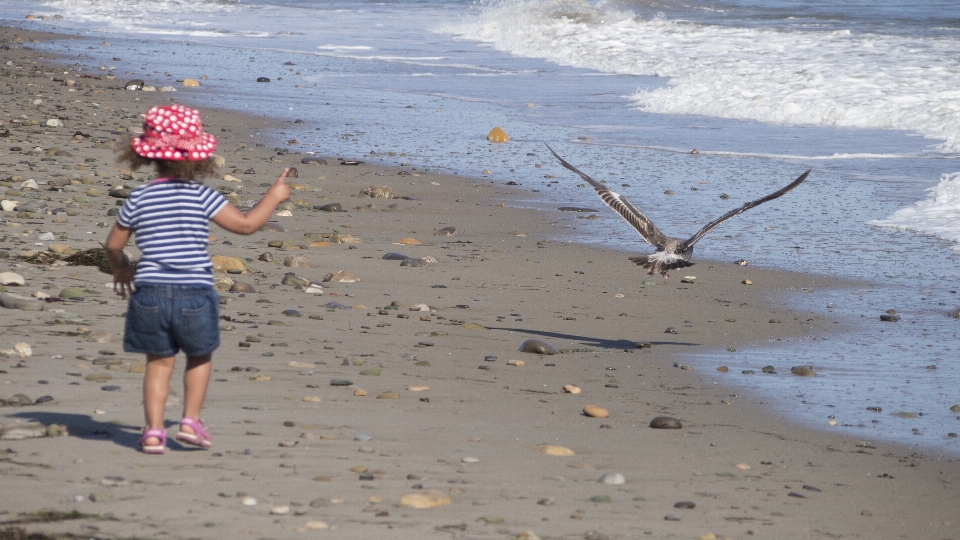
[8, 205]
[595, 411]
[446, 231]
[612, 478]
[11, 278]
[497, 135]
[23, 303]
[331, 207]
[377, 192]
[388, 395]
[537, 346]
[887, 317]
[665, 422]
[470, 459]
[552, 450]
[341, 277]
[418, 388]
[746, 282]
[422, 501]
[271, 227]
[25, 430]
[803, 371]
[518, 363]
[297, 261]
[280, 510]
[313, 160]
[226, 264]
[239, 287]
[671, 330]
[248, 501]
[571, 389]
[315, 526]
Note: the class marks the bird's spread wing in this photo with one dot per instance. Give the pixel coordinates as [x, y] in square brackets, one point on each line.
[707, 228]
[622, 206]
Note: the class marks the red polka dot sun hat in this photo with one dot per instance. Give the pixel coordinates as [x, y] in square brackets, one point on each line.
[174, 132]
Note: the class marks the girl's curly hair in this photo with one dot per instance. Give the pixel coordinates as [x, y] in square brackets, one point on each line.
[184, 170]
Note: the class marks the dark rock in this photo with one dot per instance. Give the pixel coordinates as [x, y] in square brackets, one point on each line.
[446, 231]
[332, 207]
[665, 422]
[313, 160]
[263, 79]
[395, 257]
[537, 346]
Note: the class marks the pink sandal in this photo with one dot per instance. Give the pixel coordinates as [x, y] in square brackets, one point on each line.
[153, 448]
[199, 437]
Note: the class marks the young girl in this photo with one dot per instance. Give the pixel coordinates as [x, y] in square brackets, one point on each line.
[173, 306]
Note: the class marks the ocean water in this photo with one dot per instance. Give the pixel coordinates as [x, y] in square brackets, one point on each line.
[867, 96]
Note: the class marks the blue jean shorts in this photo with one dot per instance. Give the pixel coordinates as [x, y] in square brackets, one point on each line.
[165, 319]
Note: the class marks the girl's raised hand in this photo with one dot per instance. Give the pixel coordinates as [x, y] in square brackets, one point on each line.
[280, 189]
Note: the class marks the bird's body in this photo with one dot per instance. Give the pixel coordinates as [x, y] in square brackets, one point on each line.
[671, 252]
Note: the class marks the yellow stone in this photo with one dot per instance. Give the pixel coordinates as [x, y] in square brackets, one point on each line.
[302, 365]
[138, 367]
[410, 242]
[518, 363]
[224, 264]
[743, 466]
[58, 248]
[320, 244]
[571, 389]
[359, 469]
[429, 499]
[261, 378]
[551, 450]
[595, 411]
[418, 388]
[299, 187]
[191, 82]
[359, 392]
[497, 135]
[230, 178]
[747, 282]
[315, 526]
[311, 399]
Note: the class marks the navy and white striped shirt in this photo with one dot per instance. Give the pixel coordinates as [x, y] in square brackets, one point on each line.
[171, 220]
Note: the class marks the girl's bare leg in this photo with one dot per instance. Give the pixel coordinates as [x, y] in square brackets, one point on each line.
[156, 387]
[195, 380]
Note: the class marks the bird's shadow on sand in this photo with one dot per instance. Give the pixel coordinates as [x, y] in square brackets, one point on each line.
[593, 341]
[86, 427]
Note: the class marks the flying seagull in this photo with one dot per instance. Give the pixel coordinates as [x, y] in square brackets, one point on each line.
[671, 252]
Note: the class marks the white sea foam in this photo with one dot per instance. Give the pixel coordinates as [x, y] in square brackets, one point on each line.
[784, 76]
[938, 216]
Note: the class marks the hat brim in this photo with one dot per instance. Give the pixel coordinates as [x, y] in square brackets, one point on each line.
[202, 150]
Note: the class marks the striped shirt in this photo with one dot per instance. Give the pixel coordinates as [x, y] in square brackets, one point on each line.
[171, 220]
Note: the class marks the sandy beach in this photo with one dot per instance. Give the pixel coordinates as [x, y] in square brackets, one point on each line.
[338, 408]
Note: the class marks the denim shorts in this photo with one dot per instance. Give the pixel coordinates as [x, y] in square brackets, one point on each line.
[164, 319]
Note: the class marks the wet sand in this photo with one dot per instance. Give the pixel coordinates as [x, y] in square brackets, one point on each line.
[444, 412]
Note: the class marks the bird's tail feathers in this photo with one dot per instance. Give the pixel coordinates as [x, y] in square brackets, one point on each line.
[648, 261]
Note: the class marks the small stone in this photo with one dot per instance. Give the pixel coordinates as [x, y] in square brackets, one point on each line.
[359, 392]
[518, 363]
[889, 318]
[746, 282]
[537, 346]
[685, 505]
[446, 231]
[425, 500]
[228, 264]
[612, 478]
[371, 372]
[11, 278]
[552, 450]
[239, 287]
[388, 395]
[601, 499]
[418, 388]
[341, 277]
[665, 422]
[803, 371]
[595, 411]
[497, 135]
[312, 399]
[297, 261]
[571, 389]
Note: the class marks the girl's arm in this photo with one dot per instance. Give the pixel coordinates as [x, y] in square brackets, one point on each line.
[239, 222]
[122, 271]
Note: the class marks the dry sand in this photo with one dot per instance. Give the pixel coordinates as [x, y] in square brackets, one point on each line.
[320, 461]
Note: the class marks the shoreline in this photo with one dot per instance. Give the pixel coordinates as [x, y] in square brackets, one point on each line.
[501, 277]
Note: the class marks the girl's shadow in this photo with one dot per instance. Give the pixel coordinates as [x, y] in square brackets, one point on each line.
[86, 427]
